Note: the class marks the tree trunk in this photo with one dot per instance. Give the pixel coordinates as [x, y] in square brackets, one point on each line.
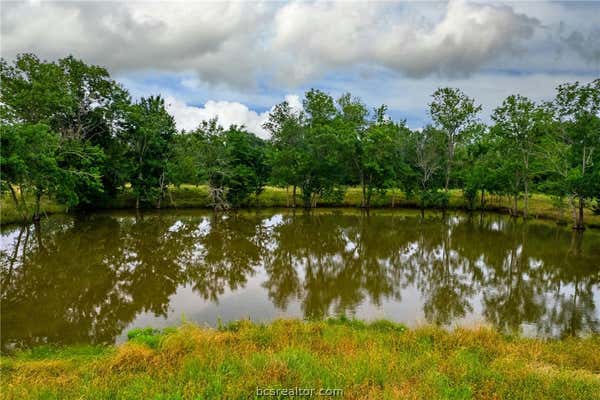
[526, 200]
[515, 206]
[482, 199]
[287, 196]
[363, 202]
[450, 159]
[294, 196]
[526, 187]
[140, 177]
[18, 205]
[161, 189]
[306, 198]
[171, 199]
[36, 213]
[579, 216]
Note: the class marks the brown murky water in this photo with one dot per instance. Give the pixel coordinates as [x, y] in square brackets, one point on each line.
[89, 279]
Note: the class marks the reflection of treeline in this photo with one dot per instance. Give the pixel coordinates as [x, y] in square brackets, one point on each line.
[85, 279]
[71, 132]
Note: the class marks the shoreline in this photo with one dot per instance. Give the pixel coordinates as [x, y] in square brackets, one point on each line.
[195, 197]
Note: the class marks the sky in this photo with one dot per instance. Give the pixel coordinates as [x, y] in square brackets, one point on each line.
[236, 60]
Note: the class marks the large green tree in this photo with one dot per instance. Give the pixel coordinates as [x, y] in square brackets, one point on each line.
[233, 162]
[382, 156]
[148, 136]
[427, 152]
[247, 165]
[326, 148]
[453, 112]
[288, 143]
[79, 102]
[35, 162]
[521, 124]
[576, 143]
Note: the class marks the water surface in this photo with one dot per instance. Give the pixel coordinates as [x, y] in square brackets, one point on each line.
[89, 279]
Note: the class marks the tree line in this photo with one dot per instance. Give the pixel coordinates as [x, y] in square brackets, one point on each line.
[72, 133]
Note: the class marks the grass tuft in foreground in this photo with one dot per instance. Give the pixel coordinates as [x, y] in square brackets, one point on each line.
[366, 360]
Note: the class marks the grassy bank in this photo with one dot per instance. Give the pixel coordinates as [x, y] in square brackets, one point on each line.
[188, 196]
[376, 360]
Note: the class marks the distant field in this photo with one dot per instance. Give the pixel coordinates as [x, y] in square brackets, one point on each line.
[189, 196]
[377, 360]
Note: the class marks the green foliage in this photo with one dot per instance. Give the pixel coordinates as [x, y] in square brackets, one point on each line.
[246, 161]
[86, 109]
[435, 199]
[570, 151]
[453, 112]
[35, 162]
[148, 137]
[51, 352]
[287, 145]
[232, 161]
[520, 126]
[148, 336]
[427, 156]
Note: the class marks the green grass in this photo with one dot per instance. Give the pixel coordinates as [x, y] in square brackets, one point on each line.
[376, 360]
[189, 196]
[9, 213]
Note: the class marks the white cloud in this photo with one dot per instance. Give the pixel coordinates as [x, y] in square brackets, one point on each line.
[469, 36]
[228, 113]
[465, 38]
[395, 53]
[214, 39]
[244, 44]
[294, 102]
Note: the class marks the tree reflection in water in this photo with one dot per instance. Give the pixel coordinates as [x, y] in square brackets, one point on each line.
[84, 279]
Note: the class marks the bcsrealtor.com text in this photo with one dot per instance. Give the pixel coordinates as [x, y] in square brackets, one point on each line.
[298, 391]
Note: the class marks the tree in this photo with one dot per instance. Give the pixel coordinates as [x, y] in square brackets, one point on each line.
[382, 158]
[577, 142]
[96, 116]
[427, 150]
[184, 163]
[323, 161]
[246, 164]
[151, 129]
[33, 91]
[520, 123]
[477, 171]
[288, 140]
[81, 103]
[232, 162]
[31, 156]
[453, 112]
[353, 117]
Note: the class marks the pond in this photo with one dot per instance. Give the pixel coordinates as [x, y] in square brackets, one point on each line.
[91, 278]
